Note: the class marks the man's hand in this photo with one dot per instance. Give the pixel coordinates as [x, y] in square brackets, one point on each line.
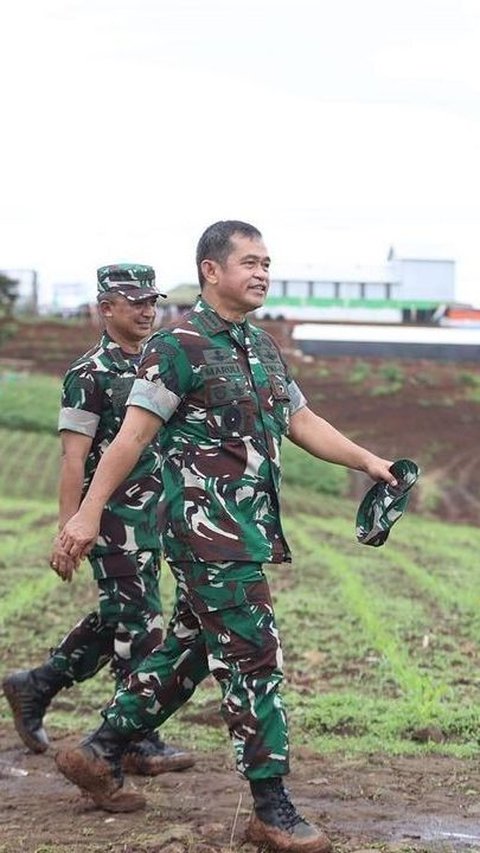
[379, 469]
[61, 562]
[79, 535]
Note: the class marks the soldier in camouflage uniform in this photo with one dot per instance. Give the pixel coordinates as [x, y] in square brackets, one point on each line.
[222, 394]
[125, 558]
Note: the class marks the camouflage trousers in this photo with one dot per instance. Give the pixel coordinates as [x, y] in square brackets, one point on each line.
[127, 626]
[223, 623]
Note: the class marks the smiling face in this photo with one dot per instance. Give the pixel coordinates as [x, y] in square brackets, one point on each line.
[240, 283]
[128, 322]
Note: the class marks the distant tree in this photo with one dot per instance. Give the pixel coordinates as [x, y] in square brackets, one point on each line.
[8, 293]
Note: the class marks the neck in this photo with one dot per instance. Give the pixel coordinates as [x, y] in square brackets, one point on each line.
[128, 345]
[231, 315]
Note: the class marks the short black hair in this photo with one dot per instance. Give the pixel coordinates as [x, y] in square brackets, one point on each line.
[216, 245]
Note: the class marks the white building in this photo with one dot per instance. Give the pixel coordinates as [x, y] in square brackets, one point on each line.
[403, 289]
[422, 278]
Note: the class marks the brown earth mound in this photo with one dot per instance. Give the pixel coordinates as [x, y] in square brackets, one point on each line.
[425, 410]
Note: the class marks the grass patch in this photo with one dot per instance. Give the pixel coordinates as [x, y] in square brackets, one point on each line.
[315, 476]
[473, 395]
[359, 373]
[385, 389]
[469, 379]
[29, 402]
[392, 372]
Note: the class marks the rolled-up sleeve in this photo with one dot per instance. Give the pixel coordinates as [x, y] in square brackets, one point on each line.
[78, 420]
[154, 396]
[81, 405]
[297, 399]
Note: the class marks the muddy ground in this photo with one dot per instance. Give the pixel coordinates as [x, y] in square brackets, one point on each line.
[397, 804]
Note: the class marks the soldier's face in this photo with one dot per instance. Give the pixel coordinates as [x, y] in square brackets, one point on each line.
[242, 281]
[131, 320]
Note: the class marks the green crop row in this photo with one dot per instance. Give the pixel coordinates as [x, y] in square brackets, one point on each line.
[30, 464]
[379, 643]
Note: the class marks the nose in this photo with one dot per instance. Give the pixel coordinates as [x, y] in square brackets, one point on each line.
[261, 273]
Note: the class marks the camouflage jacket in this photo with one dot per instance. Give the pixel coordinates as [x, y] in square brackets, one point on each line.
[95, 391]
[225, 396]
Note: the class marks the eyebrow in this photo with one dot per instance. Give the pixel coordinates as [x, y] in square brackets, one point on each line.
[252, 257]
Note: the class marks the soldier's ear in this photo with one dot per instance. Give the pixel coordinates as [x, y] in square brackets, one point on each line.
[209, 271]
[105, 308]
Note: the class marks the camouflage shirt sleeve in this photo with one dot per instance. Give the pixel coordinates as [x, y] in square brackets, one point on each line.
[297, 399]
[164, 377]
[81, 406]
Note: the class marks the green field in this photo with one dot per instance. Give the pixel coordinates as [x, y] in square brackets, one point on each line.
[381, 645]
[29, 402]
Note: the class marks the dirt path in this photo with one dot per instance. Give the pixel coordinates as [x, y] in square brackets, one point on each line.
[399, 804]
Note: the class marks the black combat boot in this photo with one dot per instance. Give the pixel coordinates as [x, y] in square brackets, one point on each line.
[276, 823]
[29, 693]
[152, 756]
[95, 765]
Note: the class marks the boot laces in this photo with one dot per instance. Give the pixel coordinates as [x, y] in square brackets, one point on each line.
[287, 812]
[106, 750]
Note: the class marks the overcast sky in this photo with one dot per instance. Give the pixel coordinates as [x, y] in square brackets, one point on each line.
[338, 127]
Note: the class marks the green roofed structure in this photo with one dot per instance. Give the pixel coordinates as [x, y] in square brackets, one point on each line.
[179, 299]
[183, 295]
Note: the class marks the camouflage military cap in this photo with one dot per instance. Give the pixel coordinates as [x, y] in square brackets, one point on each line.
[383, 504]
[134, 281]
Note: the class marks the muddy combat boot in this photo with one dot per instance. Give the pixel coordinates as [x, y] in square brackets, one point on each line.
[276, 823]
[152, 756]
[95, 765]
[29, 693]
